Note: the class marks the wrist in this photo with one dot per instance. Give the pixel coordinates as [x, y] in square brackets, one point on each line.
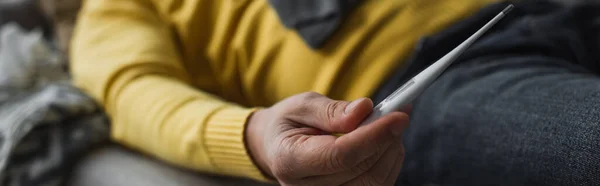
[254, 138]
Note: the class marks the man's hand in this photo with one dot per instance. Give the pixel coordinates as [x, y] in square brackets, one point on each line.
[292, 141]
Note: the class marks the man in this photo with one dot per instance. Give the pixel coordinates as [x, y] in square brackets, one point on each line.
[220, 87]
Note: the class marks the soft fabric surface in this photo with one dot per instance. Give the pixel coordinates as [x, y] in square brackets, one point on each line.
[45, 123]
[116, 166]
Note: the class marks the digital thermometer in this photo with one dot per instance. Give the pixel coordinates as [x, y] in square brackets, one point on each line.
[415, 86]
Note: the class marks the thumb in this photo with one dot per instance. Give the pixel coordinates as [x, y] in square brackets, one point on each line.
[354, 113]
[332, 115]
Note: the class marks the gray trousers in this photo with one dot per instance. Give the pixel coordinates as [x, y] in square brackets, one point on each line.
[522, 107]
[517, 121]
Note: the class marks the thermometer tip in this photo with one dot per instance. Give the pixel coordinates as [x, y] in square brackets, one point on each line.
[508, 9]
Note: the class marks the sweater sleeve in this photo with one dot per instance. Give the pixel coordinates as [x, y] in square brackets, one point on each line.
[124, 55]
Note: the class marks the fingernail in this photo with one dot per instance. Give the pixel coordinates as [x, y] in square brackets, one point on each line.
[350, 107]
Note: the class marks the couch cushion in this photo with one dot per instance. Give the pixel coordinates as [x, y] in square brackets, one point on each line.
[115, 166]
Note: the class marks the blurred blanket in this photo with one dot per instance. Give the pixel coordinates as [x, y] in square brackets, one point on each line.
[45, 123]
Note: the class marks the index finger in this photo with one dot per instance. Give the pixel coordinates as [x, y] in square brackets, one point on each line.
[356, 146]
[325, 154]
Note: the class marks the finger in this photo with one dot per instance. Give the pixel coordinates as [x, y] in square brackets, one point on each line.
[356, 146]
[344, 176]
[326, 154]
[329, 115]
[407, 109]
[375, 169]
[310, 155]
[382, 171]
[391, 180]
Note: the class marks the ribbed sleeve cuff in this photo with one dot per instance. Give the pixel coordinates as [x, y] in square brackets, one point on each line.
[224, 141]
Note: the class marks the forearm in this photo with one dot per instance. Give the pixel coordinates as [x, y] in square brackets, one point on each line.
[179, 124]
[125, 57]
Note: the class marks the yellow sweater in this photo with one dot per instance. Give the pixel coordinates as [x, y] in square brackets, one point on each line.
[179, 78]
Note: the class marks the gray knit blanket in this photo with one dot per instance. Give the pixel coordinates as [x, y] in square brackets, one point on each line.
[45, 122]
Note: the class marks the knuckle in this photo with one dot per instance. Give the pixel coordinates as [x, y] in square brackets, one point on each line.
[300, 103]
[293, 109]
[309, 95]
[332, 109]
